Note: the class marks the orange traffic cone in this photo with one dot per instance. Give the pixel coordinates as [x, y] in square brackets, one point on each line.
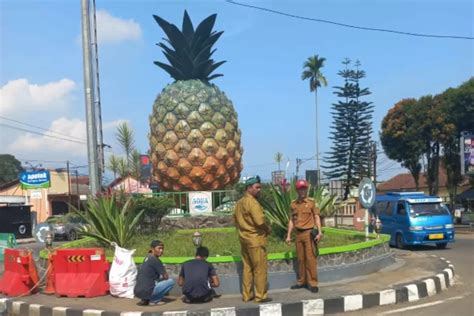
[49, 288]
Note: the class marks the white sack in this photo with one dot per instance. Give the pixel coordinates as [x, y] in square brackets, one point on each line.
[123, 273]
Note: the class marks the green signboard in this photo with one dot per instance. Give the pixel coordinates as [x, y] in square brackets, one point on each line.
[35, 179]
[6, 241]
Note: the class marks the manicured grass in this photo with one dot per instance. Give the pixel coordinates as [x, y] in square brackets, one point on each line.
[221, 242]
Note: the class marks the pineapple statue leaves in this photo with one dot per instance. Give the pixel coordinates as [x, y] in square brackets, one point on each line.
[194, 135]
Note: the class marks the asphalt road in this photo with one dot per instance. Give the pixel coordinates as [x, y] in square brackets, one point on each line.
[457, 300]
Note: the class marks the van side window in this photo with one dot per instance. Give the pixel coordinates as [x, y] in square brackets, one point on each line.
[389, 209]
[401, 209]
[384, 209]
[380, 208]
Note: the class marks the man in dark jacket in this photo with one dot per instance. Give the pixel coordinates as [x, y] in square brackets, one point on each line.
[152, 280]
[198, 278]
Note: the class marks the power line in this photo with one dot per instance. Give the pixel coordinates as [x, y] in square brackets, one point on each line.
[41, 128]
[349, 25]
[42, 134]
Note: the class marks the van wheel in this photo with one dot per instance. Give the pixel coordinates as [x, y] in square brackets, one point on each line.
[442, 245]
[399, 241]
[72, 235]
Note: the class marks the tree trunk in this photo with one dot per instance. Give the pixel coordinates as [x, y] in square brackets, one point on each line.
[317, 136]
[436, 169]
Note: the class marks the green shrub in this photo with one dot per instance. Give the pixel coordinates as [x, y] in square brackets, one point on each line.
[155, 208]
[110, 221]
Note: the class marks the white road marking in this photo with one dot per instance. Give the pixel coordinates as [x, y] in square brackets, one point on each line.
[422, 305]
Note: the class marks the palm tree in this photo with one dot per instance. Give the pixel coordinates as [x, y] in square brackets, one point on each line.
[312, 71]
[278, 159]
[114, 165]
[126, 139]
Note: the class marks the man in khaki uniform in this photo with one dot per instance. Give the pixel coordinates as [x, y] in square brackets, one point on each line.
[253, 232]
[304, 217]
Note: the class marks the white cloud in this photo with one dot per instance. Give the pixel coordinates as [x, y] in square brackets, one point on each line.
[21, 96]
[112, 29]
[66, 137]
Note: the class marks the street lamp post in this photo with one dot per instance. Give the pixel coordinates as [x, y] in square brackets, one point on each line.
[197, 239]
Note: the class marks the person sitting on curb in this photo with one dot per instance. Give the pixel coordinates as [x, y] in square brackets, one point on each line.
[153, 282]
[198, 278]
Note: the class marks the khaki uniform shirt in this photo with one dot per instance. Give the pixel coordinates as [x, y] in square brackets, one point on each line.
[250, 221]
[303, 212]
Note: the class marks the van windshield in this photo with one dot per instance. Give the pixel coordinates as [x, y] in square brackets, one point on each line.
[427, 209]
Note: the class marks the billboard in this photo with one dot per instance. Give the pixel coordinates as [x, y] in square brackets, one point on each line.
[35, 179]
[467, 154]
[200, 203]
[145, 168]
[278, 177]
[312, 177]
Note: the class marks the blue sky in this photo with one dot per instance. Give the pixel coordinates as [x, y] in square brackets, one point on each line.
[41, 78]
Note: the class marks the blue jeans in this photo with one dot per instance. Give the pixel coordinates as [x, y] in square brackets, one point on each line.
[161, 288]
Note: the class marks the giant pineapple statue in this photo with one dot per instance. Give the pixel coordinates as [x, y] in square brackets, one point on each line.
[194, 135]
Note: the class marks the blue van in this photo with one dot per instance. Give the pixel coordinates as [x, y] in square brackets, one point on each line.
[414, 218]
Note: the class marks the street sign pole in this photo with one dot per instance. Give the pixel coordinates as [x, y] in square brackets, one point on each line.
[367, 200]
[366, 224]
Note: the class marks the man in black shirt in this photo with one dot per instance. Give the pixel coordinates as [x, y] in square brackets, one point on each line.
[152, 280]
[198, 278]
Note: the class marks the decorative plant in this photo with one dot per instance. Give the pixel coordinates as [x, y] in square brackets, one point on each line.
[326, 202]
[110, 221]
[278, 209]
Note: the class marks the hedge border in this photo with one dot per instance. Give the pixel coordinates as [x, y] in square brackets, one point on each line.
[272, 256]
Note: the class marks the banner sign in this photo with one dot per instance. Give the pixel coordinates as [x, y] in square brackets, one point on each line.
[6, 241]
[145, 168]
[200, 203]
[35, 179]
[36, 195]
[467, 154]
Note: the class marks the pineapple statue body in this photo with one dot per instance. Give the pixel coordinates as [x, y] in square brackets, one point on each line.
[194, 135]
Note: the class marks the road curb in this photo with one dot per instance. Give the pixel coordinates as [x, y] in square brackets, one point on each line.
[399, 294]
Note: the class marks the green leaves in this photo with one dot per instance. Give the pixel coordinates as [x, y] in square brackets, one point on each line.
[278, 209]
[10, 167]
[109, 221]
[312, 71]
[191, 50]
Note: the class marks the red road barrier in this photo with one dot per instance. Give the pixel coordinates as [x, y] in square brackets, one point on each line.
[80, 272]
[49, 288]
[20, 277]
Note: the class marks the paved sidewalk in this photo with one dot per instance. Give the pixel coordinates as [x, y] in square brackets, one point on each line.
[402, 281]
[464, 228]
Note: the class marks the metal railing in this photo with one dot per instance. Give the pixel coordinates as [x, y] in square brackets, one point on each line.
[223, 201]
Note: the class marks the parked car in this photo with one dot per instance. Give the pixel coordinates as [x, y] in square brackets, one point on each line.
[66, 226]
[414, 218]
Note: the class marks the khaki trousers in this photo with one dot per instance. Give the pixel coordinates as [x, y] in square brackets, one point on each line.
[307, 262]
[254, 260]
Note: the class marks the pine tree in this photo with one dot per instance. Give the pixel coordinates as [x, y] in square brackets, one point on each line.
[348, 158]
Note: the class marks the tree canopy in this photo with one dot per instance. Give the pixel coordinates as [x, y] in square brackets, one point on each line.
[427, 131]
[10, 168]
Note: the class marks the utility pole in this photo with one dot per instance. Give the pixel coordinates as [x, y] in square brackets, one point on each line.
[97, 103]
[298, 163]
[77, 191]
[68, 186]
[94, 183]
